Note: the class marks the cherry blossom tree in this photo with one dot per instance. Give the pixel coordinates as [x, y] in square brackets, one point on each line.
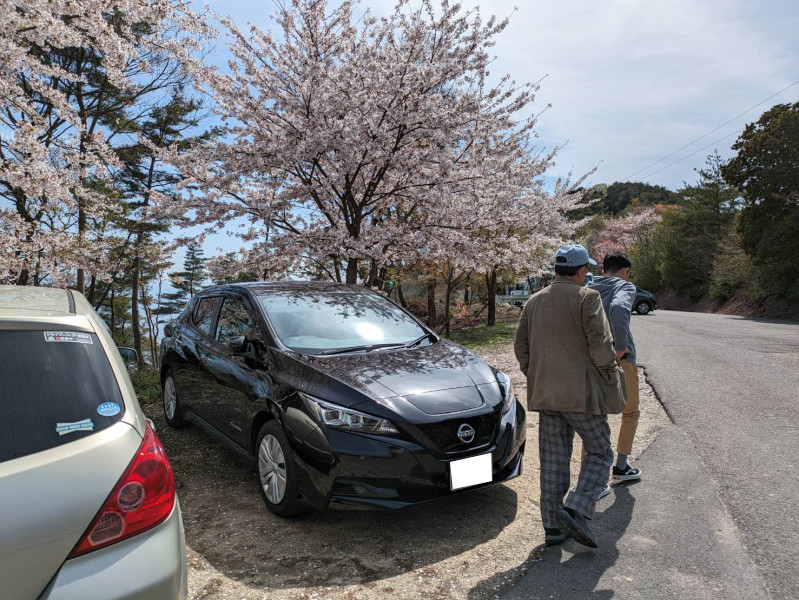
[357, 144]
[620, 234]
[74, 75]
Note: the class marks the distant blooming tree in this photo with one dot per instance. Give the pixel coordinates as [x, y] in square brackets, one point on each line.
[620, 234]
[357, 144]
[72, 78]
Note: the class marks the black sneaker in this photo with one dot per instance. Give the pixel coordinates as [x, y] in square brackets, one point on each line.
[574, 524]
[554, 536]
[628, 473]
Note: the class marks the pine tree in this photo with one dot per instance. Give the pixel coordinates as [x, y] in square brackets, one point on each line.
[187, 282]
[142, 176]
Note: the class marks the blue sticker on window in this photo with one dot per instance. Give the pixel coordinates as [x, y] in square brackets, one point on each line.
[109, 409]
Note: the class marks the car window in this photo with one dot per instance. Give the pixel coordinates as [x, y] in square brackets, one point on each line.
[188, 312]
[234, 319]
[203, 314]
[55, 387]
[322, 321]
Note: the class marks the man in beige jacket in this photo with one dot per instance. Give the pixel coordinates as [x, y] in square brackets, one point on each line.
[565, 349]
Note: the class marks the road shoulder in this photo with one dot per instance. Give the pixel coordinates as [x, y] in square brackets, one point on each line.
[665, 537]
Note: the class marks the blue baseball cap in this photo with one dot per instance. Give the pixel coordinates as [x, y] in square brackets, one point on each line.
[573, 255]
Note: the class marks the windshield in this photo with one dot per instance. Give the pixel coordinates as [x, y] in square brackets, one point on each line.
[55, 387]
[321, 322]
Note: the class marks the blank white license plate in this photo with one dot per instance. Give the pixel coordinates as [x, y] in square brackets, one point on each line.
[470, 471]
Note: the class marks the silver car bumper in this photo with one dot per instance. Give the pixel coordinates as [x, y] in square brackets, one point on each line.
[149, 566]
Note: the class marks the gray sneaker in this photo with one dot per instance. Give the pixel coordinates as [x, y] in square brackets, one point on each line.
[604, 492]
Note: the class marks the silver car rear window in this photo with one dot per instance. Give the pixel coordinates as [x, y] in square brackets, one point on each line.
[55, 387]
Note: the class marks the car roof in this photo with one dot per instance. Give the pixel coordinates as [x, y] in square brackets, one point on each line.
[30, 307]
[22, 301]
[263, 287]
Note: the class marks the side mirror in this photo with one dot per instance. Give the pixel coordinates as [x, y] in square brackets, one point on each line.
[237, 343]
[169, 329]
[129, 355]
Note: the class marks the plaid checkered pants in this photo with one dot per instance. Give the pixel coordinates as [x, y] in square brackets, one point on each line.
[555, 437]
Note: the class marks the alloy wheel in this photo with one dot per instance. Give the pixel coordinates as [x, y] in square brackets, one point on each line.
[272, 469]
[170, 398]
[643, 308]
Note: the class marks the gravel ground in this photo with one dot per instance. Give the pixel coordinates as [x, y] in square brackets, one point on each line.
[473, 546]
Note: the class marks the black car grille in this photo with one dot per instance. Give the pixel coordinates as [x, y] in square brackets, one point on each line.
[444, 434]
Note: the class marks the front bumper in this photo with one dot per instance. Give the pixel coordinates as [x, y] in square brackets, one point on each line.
[346, 470]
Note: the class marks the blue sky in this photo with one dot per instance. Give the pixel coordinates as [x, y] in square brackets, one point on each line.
[631, 81]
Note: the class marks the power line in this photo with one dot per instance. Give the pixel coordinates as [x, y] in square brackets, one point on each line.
[708, 133]
[697, 152]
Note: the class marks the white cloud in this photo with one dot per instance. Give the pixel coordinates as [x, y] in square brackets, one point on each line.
[632, 81]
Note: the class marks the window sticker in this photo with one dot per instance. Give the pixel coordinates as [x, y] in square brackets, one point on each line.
[67, 336]
[65, 428]
[108, 409]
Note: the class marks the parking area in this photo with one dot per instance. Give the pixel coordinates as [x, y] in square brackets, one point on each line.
[470, 546]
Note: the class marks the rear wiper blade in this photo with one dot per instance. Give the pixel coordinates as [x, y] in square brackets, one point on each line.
[363, 348]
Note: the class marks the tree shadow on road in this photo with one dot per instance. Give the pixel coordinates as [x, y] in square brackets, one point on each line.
[570, 571]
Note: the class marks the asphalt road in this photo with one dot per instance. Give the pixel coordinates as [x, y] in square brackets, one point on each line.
[716, 515]
[732, 385]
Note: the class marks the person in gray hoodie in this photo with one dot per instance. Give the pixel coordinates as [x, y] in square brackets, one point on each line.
[618, 295]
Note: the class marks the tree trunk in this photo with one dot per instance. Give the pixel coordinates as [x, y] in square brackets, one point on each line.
[431, 304]
[134, 304]
[372, 280]
[152, 324]
[24, 276]
[447, 298]
[401, 296]
[491, 287]
[352, 270]
[81, 282]
[113, 316]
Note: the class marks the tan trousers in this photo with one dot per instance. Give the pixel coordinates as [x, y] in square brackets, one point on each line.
[631, 412]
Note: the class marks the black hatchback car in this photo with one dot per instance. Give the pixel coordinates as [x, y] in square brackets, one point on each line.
[339, 396]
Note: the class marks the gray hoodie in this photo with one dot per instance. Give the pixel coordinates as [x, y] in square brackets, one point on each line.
[618, 296]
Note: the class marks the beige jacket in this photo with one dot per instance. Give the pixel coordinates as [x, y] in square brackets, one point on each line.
[565, 349]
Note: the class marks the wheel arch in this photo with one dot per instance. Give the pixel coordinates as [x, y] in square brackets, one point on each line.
[263, 416]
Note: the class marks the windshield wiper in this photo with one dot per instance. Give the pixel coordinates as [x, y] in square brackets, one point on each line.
[363, 348]
[418, 340]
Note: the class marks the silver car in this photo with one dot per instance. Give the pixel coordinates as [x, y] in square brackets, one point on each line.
[87, 495]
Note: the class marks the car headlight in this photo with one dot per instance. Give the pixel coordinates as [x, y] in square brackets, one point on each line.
[506, 388]
[347, 419]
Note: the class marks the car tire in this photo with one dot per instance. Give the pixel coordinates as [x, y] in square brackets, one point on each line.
[173, 412]
[276, 472]
[643, 307]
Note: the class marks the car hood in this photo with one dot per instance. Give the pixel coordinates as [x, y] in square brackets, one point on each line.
[436, 379]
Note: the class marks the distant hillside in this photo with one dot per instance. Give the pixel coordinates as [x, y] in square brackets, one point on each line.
[615, 198]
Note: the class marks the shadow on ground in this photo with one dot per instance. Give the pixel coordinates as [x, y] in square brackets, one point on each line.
[229, 526]
[571, 570]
